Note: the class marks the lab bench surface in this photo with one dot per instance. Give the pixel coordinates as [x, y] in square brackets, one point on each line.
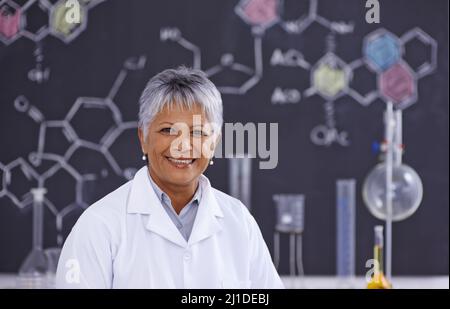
[9, 281]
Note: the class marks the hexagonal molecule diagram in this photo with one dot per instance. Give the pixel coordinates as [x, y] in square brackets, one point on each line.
[397, 84]
[395, 80]
[383, 53]
[60, 27]
[260, 15]
[13, 19]
[54, 169]
[382, 50]
[330, 77]
[60, 22]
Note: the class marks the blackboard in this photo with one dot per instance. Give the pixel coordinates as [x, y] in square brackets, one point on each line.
[124, 43]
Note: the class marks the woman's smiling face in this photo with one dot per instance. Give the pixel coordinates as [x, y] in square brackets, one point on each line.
[175, 144]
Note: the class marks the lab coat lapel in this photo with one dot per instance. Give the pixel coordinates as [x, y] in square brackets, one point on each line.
[160, 223]
[207, 221]
[143, 200]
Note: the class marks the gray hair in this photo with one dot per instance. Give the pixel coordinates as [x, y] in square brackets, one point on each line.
[183, 86]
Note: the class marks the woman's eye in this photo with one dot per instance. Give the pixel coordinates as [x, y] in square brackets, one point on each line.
[175, 132]
[199, 133]
[169, 131]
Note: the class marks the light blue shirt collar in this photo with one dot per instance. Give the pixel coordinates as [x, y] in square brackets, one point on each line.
[185, 220]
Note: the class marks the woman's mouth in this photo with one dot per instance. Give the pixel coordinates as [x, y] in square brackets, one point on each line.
[180, 163]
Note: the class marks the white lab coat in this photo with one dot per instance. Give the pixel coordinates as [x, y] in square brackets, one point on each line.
[127, 240]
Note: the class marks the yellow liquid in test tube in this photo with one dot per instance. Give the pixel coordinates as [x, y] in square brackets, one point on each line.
[378, 280]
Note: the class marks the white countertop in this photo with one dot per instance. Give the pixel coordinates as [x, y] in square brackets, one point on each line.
[315, 282]
[325, 282]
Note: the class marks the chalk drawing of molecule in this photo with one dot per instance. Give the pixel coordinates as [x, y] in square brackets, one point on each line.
[15, 23]
[45, 164]
[226, 61]
[13, 20]
[397, 81]
[260, 15]
[331, 78]
[332, 74]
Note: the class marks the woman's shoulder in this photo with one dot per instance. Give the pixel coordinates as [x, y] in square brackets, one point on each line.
[235, 212]
[104, 216]
[113, 204]
[230, 204]
[220, 195]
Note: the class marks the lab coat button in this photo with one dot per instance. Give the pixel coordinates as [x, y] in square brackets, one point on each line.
[187, 256]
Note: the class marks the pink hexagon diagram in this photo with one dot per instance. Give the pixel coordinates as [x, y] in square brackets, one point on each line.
[259, 13]
[398, 85]
[11, 21]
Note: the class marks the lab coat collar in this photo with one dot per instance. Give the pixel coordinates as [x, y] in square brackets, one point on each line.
[143, 200]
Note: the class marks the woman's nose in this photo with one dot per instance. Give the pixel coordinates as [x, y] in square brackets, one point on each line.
[185, 144]
[183, 147]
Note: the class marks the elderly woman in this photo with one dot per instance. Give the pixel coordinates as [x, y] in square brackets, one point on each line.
[168, 228]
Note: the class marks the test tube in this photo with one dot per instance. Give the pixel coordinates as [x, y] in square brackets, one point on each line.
[240, 170]
[345, 225]
[34, 268]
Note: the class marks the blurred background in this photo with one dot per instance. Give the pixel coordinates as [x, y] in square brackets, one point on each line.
[69, 93]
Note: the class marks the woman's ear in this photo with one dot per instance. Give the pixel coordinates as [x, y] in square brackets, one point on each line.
[142, 139]
[216, 141]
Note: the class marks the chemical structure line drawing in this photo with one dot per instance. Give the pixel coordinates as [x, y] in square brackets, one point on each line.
[331, 78]
[363, 99]
[396, 81]
[427, 67]
[13, 20]
[260, 15]
[60, 162]
[226, 61]
[174, 35]
[14, 25]
[40, 181]
[300, 24]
